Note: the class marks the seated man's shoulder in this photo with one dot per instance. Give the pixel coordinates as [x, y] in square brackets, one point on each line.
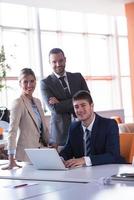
[75, 124]
[106, 120]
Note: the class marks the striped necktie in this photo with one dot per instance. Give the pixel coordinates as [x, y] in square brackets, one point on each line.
[88, 142]
[63, 82]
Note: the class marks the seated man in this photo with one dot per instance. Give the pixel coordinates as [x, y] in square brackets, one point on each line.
[92, 140]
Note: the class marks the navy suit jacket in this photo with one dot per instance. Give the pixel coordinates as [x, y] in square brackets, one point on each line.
[105, 147]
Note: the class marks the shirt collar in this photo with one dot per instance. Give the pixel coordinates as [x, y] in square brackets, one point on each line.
[58, 76]
[90, 126]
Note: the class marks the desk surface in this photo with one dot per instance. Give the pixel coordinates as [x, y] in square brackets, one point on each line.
[48, 190]
[43, 190]
[32, 189]
[91, 191]
[81, 175]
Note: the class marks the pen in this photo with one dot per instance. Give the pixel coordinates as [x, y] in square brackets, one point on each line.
[21, 185]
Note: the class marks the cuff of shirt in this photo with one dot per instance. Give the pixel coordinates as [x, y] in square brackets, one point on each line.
[11, 152]
[87, 161]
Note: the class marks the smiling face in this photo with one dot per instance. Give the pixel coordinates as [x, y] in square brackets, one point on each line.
[58, 62]
[27, 84]
[84, 111]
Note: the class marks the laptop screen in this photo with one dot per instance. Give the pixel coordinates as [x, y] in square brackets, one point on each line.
[45, 158]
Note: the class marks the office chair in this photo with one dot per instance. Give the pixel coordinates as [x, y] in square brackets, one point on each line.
[127, 146]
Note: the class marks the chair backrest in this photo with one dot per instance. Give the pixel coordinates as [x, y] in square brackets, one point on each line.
[127, 146]
[117, 119]
[126, 127]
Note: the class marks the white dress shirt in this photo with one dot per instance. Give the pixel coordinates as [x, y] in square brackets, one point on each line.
[65, 75]
[87, 158]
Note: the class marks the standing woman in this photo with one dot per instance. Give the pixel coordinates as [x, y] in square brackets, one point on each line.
[27, 121]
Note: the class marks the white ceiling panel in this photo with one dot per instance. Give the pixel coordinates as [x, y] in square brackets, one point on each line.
[112, 7]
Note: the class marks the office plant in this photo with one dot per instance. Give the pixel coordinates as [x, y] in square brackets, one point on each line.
[4, 67]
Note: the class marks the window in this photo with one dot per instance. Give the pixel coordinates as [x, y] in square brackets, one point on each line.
[17, 50]
[49, 40]
[48, 19]
[99, 64]
[75, 18]
[17, 15]
[100, 54]
[73, 45]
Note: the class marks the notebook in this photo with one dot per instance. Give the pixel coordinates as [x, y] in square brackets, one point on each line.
[45, 158]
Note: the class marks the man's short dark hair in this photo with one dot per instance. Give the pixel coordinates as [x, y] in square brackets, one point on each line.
[56, 51]
[83, 95]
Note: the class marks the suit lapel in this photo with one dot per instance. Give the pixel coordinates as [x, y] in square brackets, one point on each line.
[56, 84]
[29, 108]
[70, 81]
[39, 109]
[81, 139]
[94, 133]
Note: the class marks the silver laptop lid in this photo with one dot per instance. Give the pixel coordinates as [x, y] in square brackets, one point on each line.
[45, 158]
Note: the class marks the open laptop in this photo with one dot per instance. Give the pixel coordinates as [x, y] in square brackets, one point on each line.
[45, 158]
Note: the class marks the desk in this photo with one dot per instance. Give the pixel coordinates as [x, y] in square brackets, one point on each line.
[91, 191]
[43, 190]
[78, 175]
[94, 189]
[33, 189]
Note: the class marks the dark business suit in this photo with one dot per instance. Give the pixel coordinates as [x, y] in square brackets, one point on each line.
[104, 142]
[61, 112]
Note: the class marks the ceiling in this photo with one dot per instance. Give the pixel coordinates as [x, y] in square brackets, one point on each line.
[112, 7]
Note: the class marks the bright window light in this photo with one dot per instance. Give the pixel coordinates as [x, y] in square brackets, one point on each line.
[14, 15]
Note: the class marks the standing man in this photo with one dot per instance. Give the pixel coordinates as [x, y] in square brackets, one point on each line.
[57, 91]
[93, 140]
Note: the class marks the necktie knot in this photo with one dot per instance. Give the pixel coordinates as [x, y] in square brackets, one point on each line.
[61, 77]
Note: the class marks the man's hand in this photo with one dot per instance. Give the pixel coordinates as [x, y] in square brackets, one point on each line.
[75, 162]
[53, 100]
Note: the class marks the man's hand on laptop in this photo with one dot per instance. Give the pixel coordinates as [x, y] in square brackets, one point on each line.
[75, 162]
